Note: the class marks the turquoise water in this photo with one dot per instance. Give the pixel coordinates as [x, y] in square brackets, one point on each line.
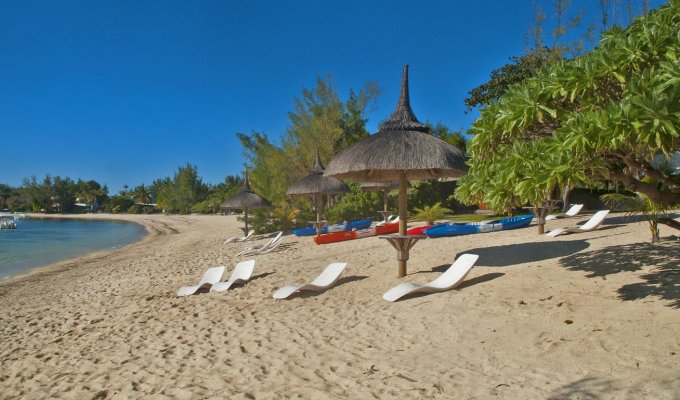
[38, 242]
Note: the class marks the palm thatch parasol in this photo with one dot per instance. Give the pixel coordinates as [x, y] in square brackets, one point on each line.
[402, 149]
[385, 187]
[245, 199]
[317, 185]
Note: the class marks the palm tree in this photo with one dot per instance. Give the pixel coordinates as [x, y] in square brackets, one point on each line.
[640, 204]
[431, 214]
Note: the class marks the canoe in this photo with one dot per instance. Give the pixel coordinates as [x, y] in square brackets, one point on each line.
[387, 229]
[419, 230]
[346, 226]
[356, 234]
[453, 229]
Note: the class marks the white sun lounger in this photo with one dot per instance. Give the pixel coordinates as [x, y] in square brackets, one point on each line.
[594, 222]
[327, 278]
[211, 277]
[390, 220]
[573, 210]
[453, 276]
[240, 238]
[241, 273]
[267, 247]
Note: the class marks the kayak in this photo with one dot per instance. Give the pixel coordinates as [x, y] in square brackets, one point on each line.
[452, 228]
[345, 226]
[419, 230]
[356, 234]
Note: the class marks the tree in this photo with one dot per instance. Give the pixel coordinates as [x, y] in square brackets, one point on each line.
[443, 132]
[320, 122]
[431, 213]
[603, 115]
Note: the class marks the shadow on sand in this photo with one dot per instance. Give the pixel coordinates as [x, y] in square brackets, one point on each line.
[467, 283]
[308, 293]
[662, 281]
[512, 254]
[584, 389]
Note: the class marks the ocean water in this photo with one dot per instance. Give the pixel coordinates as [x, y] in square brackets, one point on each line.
[38, 242]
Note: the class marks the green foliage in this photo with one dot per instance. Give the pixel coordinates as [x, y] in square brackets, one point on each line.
[320, 121]
[640, 204]
[181, 192]
[431, 213]
[603, 115]
[284, 217]
[443, 132]
[118, 204]
[357, 204]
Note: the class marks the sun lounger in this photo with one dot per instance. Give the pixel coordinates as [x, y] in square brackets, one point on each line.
[241, 273]
[240, 238]
[266, 248]
[453, 276]
[327, 278]
[211, 277]
[593, 223]
[573, 210]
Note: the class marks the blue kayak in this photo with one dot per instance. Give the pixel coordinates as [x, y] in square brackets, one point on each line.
[342, 227]
[452, 228]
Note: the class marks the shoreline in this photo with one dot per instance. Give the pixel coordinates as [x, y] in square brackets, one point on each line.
[592, 314]
[53, 267]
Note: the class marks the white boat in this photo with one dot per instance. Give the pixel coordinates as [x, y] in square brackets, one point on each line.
[7, 222]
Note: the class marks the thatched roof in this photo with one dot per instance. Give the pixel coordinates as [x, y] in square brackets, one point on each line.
[401, 144]
[246, 198]
[316, 183]
[380, 185]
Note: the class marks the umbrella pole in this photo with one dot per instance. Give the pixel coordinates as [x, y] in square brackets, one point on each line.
[319, 201]
[385, 200]
[246, 210]
[403, 184]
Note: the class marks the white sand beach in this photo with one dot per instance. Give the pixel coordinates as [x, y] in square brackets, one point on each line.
[592, 315]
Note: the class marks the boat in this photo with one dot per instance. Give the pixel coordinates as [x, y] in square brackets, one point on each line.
[342, 227]
[356, 234]
[418, 230]
[456, 228]
[8, 222]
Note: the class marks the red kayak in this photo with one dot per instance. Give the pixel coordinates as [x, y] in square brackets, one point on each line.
[418, 231]
[387, 229]
[354, 234]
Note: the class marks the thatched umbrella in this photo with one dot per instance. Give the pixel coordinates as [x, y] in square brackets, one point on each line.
[245, 199]
[385, 187]
[317, 185]
[402, 149]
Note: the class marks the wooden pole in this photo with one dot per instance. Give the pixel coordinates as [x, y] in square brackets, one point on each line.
[246, 209]
[403, 200]
[385, 207]
[319, 200]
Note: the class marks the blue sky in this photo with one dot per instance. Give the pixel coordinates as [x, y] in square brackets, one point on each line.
[124, 92]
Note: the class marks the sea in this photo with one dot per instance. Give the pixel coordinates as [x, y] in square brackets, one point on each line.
[37, 242]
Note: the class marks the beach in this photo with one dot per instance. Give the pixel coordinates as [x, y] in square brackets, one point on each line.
[593, 315]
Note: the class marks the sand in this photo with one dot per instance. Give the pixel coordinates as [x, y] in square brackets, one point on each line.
[586, 316]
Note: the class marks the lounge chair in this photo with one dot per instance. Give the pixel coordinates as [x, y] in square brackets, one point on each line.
[573, 210]
[241, 273]
[266, 248]
[594, 222]
[211, 277]
[390, 220]
[240, 238]
[453, 276]
[327, 278]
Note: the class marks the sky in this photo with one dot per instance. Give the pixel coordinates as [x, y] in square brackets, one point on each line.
[125, 91]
